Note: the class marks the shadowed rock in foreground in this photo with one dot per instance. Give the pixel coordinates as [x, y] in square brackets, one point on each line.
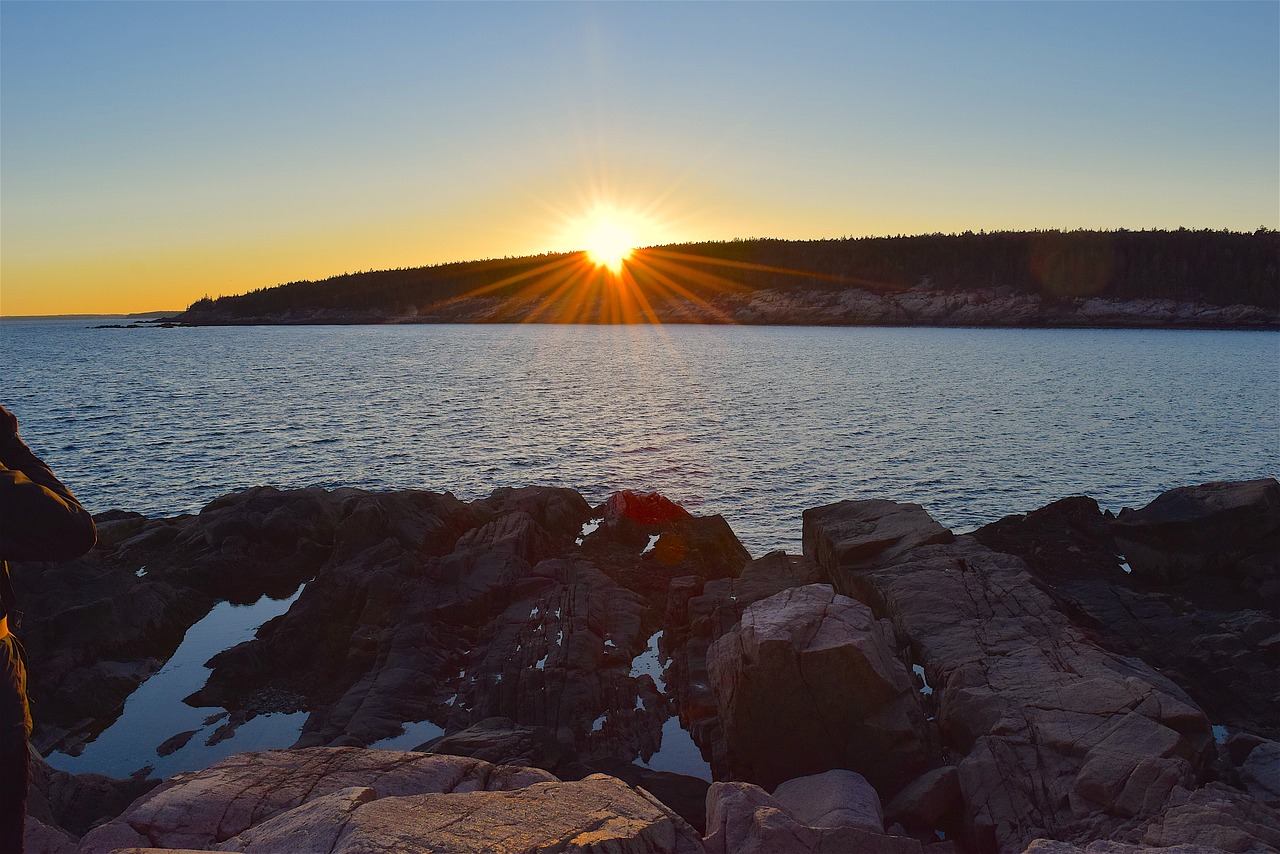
[1052, 682]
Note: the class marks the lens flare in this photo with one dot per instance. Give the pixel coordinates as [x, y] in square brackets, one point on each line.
[609, 244]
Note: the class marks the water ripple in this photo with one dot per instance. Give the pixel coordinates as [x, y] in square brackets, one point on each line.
[754, 423]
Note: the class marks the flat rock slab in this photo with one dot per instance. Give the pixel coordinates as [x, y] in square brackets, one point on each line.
[204, 808]
[598, 813]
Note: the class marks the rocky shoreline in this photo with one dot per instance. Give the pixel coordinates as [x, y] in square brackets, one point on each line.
[1060, 681]
[995, 307]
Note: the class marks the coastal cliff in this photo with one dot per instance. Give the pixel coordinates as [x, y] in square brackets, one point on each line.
[1052, 682]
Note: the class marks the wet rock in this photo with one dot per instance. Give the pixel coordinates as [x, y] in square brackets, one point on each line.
[94, 632]
[558, 511]
[204, 808]
[667, 539]
[95, 628]
[642, 509]
[175, 742]
[809, 682]
[353, 643]
[560, 657]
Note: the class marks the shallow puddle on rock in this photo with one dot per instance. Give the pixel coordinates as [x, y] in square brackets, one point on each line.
[678, 753]
[925, 688]
[588, 528]
[155, 712]
[415, 733]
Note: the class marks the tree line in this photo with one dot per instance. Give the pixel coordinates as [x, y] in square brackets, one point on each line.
[1215, 267]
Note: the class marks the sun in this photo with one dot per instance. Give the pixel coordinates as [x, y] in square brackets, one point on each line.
[609, 244]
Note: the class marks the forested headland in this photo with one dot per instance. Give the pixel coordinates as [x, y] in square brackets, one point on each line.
[989, 278]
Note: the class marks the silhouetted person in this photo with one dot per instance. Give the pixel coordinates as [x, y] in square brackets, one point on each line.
[39, 520]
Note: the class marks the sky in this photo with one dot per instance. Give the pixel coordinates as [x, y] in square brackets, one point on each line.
[153, 153]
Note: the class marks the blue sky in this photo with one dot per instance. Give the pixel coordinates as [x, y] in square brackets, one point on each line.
[154, 152]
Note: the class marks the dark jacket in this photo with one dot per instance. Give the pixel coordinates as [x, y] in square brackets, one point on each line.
[39, 517]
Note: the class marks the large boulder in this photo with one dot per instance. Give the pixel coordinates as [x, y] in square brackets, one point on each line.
[669, 541]
[832, 799]
[854, 534]
[699, 612]
[743, 818]
[809, 682]
[929, 804]
[1206, 529]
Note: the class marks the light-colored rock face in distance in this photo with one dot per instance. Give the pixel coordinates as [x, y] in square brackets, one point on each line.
[355, 801]
[1058, 737]
[808, 681]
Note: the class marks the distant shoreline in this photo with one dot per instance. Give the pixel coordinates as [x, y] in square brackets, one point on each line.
[852, 308]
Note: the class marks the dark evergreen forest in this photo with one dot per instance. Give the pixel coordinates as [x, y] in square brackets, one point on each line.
[1215, 267]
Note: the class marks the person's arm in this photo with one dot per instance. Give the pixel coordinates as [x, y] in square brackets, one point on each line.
[39, 517]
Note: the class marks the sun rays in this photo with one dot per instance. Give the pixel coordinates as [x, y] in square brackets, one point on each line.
[610, 276]
[613, 283]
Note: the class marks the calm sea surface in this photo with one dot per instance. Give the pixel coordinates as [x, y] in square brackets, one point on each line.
[756, 423]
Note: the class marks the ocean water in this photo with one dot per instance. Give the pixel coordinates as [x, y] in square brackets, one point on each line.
[755, 423]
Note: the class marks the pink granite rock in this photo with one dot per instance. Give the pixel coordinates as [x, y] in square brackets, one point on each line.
[744, 819]
[809, 682]
[203, 808]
